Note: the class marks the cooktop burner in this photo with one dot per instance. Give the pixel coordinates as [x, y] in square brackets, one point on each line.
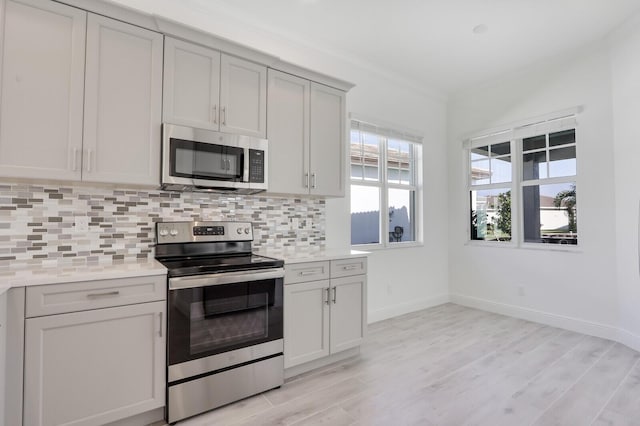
[179, 267]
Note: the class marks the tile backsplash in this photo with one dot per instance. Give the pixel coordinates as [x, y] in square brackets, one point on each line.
[37, 221]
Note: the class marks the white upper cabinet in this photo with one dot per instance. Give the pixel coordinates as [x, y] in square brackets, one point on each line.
[326, 164]
[191, 85]
[306, 136]
[206, 89]
[43, 61]
[123, 96]
[243, 97]
[59, 120]
[288, 133]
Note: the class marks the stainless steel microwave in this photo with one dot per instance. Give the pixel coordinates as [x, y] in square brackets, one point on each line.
[204, 160]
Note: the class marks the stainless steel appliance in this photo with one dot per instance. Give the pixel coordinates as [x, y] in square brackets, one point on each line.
[225, 316]
[204, 160]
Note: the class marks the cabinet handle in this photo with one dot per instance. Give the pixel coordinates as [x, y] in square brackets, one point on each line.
[313, 180]
[160, 332]
[89, 160]
[109, 293]
[215, 114]
[328, 301]
[335, 294]
[349, 267]
[306, 180]
[224, 116]
[307, 273]
[74, 160]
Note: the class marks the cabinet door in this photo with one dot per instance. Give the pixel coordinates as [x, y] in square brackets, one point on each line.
[306, 322]
[94, 367]
[243, 97]
[3, 352]
[123, 98]
[288, 133]
[327, 140]
[348, 320]
[191, 85]
[42, 90]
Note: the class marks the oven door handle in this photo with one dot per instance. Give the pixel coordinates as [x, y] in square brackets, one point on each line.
[224, 278]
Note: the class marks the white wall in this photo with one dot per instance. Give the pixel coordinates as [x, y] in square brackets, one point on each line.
[399, 280]
[626, 107]
[407, 279]
[576, 290]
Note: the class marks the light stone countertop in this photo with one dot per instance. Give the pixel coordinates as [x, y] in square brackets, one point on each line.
[292, 256]
[56, 275]
[43, 275]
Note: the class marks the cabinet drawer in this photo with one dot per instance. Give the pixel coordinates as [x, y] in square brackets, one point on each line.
[303, 272]
[85, 295]
[348, 267]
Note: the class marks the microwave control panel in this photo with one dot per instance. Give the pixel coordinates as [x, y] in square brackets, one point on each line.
[256, 165]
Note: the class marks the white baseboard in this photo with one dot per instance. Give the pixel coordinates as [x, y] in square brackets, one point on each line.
[629, 339]
[405, 308]
[561, 321]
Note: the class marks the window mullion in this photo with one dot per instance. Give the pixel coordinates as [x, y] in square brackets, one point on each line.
[384, 194]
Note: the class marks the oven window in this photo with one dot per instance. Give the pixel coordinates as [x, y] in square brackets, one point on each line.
[229, 320]
[199, 160]
[210, 320]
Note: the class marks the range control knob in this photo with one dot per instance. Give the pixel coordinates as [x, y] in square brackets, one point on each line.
[173, 232]
[164, 232]
[246, 230]
[239, 231]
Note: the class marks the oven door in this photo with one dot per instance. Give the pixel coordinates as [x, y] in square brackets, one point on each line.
[213, 314]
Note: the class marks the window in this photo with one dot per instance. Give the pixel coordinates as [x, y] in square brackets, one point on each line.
[522, 184]
[490, 193]
[385, 186]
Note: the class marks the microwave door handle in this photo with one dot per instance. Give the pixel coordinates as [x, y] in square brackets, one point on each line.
[245, 165]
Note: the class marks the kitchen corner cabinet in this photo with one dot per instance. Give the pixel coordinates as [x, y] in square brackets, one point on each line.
[306, 127]
[325, 311]
[207, 89]
[100, 357]
[58, 121]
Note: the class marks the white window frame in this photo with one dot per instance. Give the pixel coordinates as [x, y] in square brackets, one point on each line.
[383, 185]
[515, 133]
[492, 139]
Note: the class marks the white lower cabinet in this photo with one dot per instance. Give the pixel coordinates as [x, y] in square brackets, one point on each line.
[323, 317]
[94, 366]
[306, 322]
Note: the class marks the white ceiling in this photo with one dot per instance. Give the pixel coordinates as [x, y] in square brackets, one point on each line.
[427, 42]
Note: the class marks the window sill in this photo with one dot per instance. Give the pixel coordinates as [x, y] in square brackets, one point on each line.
[380, 247]
[564, 248]
[492, 244]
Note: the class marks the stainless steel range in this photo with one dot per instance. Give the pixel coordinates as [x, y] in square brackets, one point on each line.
[225, 316]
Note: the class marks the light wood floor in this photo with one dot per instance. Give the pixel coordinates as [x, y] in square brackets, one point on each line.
[452, 365]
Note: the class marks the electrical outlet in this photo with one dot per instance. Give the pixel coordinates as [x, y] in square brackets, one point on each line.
[521, 290]
[81, 224]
